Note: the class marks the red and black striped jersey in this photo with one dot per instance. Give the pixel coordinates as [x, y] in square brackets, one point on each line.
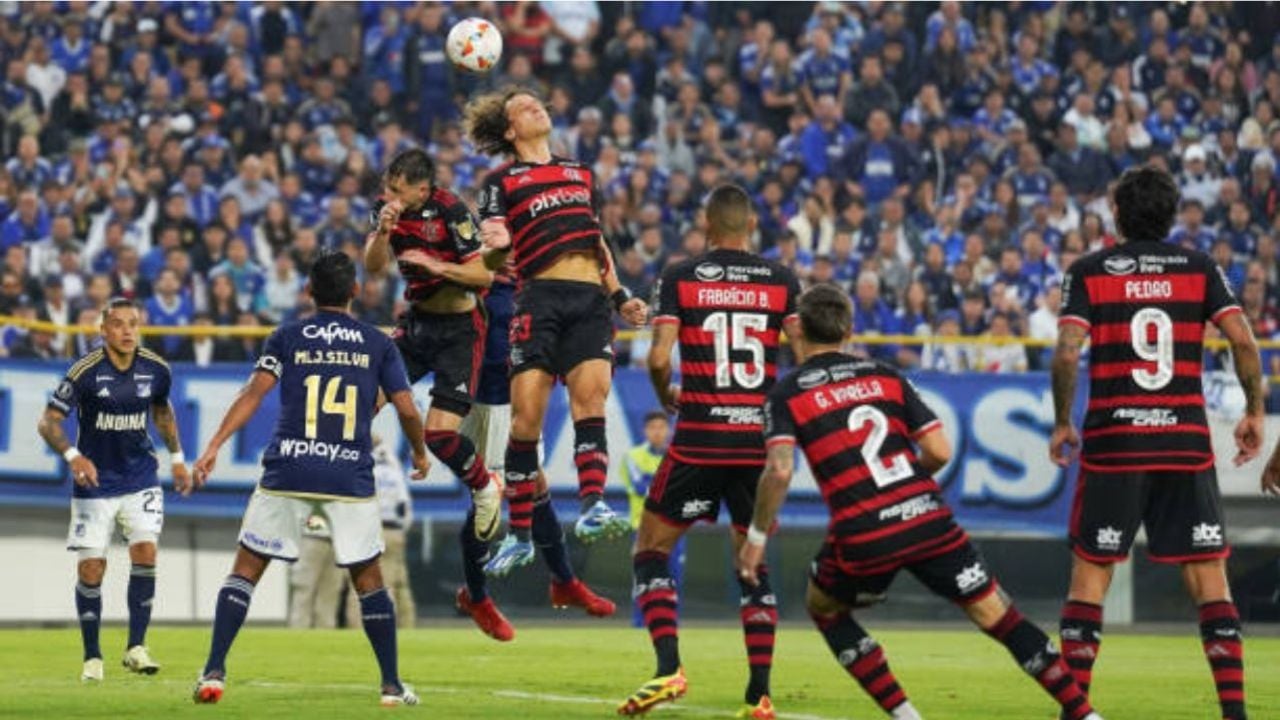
[1145, 305]
[551, 210]
[856, 420]
[444, 228]
[730, 306]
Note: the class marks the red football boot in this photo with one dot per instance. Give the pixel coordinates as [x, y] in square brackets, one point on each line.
[487, 616]
[575, 593]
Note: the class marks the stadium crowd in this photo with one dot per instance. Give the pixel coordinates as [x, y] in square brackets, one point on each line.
[943, 163]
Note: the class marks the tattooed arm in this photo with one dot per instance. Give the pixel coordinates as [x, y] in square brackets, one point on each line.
[83, 471]
[167, 425]
[1244, 350]
[1063, 369]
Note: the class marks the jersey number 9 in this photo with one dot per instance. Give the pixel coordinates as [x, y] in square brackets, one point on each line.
[1159, 352]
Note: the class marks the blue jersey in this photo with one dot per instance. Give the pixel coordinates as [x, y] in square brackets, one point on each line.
[330, 368]
[112, 407]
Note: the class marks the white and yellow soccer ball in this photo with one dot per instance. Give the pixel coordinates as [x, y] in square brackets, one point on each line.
[474, 45]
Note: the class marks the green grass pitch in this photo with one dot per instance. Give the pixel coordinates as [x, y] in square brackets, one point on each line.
[573, 670]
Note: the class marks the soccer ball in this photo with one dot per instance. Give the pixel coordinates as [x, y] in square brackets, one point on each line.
[474, 45]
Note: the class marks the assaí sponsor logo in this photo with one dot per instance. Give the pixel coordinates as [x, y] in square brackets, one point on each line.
[332, 452]
[332, 331]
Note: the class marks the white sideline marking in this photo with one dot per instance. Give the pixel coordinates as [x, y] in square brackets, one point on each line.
[427, 690]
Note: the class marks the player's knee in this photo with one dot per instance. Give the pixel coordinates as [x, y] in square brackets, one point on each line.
[1206, 581]
[142, 549]
[986, 612]
[820, 605]
[91, 569]
[441, 419]
[654, 535]
[1089, 580]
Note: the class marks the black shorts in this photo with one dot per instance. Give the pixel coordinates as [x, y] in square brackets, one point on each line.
[1181, 511]
[959, 574]
[560, 324]
[682, 493]
[449, 346]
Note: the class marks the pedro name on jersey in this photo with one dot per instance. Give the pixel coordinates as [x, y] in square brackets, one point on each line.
[330, 368]
[730, 307]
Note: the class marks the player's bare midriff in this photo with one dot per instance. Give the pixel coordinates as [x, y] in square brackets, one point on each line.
[577, 267]
[448, 300]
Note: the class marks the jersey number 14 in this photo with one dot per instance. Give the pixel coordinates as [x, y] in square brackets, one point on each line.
[330, 405]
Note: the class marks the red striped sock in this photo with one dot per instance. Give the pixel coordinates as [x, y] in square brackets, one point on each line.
[759, 614]
[591, 457]
[861, 657]
[1224, 649]
[655, 593]
[459, 454]
[521, 470]
[1081, 633]
[1035, 652]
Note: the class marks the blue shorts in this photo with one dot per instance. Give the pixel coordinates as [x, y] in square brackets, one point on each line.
[495, 380]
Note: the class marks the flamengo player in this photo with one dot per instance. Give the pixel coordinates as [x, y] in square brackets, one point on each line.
[1147, 458]
[330, 369]
[860, 424]
[543, 210]
[727, 308]
[432, 235]
[113, 465]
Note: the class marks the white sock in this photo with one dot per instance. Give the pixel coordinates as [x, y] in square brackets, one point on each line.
[906, 712]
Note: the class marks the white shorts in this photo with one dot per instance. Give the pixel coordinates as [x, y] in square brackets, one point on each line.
[140, 516]
[273, 526]
[489, 428]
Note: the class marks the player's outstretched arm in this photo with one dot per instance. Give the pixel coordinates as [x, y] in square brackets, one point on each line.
[632, 309]
[473, 273]
[411, 425]
[167, 425]
[83, 471]
[778, 469]
[935, 450]
[664, 338]
[1063, 370]
[1248, 361]
[238, 415]
[377, 245]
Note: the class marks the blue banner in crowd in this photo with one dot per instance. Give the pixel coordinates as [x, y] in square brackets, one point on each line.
[999, 480]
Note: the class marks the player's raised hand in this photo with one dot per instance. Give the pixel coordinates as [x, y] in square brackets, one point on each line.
[424, 260]
[203, 467]
[389, 216]
[421, 464]
[83, 472]
[748, 563]
[1248, 436]
[495, 235]
[635, 311]
[1063, 444]
[671, 399]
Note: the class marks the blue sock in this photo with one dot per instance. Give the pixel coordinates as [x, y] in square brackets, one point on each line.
[233, 606]
[379, 615]
[474, 554]
[89, 608]
[142, 590]
[549, 537]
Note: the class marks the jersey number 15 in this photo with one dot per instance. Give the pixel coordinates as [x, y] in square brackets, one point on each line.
[730, 331]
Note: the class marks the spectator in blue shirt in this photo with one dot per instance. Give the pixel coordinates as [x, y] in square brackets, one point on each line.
[788, 253]
[1027, 67]
[70, 50]
[1083, 170]
[245, 274]
[1031, 180]
[28, 169]
[872, 316]
[948, 16]
[878, 166]
[170, 306]
[823, 71]
[826, 139]
[1191, 232]
[26, 224]
[1225, 259]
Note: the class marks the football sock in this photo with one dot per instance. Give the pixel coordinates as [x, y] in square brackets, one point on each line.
[228, 616]
[548, 536]
[1035, 652]
[861, 657]
[142, 590]
[1081, 635]
[591, 458]
[89, 608]
[655, 593]
[1224, 648]
[379, 616]
[459, 454]
[520, 471]
[758, 609]
[474, 554]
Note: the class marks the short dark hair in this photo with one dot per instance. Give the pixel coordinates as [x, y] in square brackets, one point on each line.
[1146, 200]
[413, 166]
[116, 303]
[331, 279]
[729, 211]
[656, 415]
[826, 314]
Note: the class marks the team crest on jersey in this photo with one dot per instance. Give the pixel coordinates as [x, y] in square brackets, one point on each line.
[1120, 265]
[524, 179]
[709, 272]
[65, 390]
[144, 389]
[465, 229]
[572, 174]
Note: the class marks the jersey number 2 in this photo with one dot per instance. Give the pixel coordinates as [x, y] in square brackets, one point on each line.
[730, 331]
[1159, 352]
[330, 405]
[897, 468]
